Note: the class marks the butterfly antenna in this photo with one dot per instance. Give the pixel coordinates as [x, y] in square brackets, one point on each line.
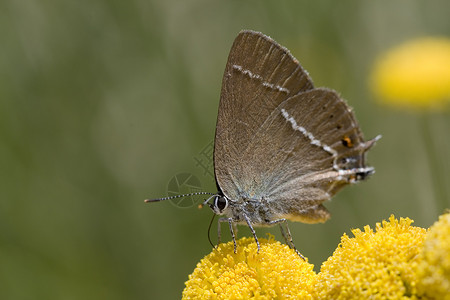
[200, 206]
[177, 196]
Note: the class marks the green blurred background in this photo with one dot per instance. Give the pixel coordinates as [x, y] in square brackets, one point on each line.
[103, 102]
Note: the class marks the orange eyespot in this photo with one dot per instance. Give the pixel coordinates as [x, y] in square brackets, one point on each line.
[347, 142]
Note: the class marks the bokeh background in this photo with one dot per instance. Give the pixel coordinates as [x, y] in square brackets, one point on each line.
[103, 102]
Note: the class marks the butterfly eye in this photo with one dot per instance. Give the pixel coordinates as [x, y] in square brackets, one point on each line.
[220, 203]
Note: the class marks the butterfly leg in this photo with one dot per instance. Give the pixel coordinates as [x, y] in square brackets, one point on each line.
[232, 230]
[287, 235]
[253, 231]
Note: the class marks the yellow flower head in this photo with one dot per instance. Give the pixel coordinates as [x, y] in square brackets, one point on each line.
[373, 265]
[414, 75]
[434, 267]
[275, 272]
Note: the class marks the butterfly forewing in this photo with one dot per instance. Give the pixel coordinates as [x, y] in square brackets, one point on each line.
[259, 75]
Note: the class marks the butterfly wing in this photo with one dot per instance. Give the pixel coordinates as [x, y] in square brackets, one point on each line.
[279, 140]
[259, 75]
[317, 148]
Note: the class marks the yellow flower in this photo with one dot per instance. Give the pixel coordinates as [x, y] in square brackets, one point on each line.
[434, 268]
[373, 265]
[275, 272]
[414, 75]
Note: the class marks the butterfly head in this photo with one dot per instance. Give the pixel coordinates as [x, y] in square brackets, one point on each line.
[219, 205]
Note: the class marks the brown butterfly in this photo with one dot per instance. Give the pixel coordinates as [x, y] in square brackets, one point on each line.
[282, 147]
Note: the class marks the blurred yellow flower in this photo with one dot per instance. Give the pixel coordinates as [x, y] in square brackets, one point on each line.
[275, 272]
[434, 268]
[414, 75]
[373, 265]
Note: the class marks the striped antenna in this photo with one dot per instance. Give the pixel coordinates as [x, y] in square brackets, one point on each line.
[178, 196]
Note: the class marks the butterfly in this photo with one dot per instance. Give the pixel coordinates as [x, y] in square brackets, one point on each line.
[282, 147]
